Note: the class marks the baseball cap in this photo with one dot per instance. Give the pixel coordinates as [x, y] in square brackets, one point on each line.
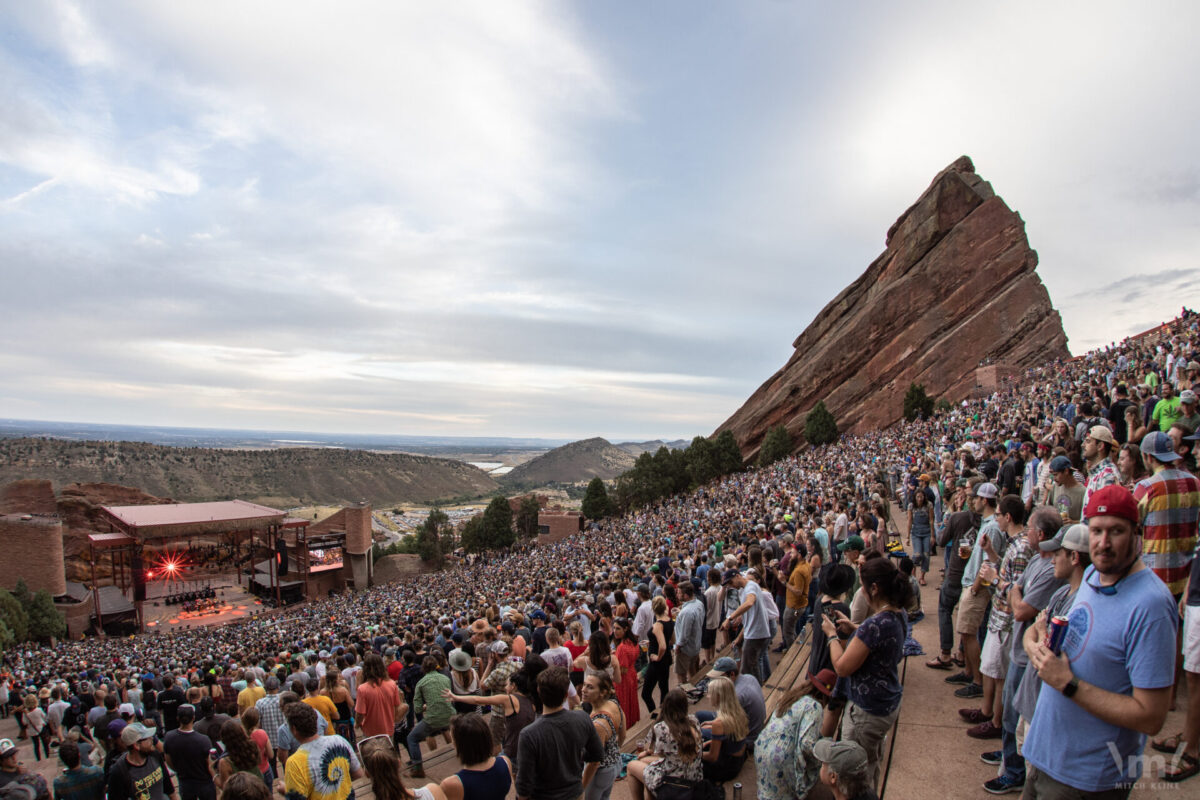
[987, 490]
[499, 647]
[125, 708]
[1159, 445]
[1187, 396]
[852, 543]
[1101, 434]
[729, 575]
[844, 757]
[1069, 537]
[135, 732]
[1059, 463]
[723, 666]
[1112, 501]
[7, 748]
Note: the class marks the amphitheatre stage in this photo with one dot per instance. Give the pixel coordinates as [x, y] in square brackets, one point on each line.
[229, 602]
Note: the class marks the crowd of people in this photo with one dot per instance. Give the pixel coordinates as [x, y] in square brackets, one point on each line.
[1079, 472]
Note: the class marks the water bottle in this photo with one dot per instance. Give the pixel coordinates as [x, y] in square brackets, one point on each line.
[737, 791]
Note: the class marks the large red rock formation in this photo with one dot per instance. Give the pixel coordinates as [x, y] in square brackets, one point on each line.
[956, 284]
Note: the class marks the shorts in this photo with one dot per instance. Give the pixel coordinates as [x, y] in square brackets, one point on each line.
[1191, 638]
[686, 666]
[970, 612]
[995, 655]
[708, 638]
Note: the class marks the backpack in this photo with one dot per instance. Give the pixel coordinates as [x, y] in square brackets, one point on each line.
[673, 788]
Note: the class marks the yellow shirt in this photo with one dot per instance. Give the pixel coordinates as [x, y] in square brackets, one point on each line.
[325, 707]
[249, 696]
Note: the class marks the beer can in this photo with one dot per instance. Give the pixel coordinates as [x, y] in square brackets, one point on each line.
[1056, 633]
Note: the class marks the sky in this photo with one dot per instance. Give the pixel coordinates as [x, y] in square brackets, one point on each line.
[543, 219]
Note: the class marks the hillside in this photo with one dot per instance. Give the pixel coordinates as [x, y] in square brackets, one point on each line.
[571, 463]
[637, 448]
[284, 477]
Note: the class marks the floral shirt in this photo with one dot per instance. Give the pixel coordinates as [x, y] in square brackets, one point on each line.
[783, 753]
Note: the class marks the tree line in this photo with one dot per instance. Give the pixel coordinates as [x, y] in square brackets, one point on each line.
[26, 616]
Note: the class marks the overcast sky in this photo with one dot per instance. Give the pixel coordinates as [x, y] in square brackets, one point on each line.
[529, 219]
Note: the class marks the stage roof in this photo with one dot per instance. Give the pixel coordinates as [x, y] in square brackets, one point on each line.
[184, 519]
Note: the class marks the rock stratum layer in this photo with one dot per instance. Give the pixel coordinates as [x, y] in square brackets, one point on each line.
[956, 284]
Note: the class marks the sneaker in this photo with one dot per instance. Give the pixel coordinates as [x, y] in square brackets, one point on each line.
[969, 692]
[985, 730]
[959, 677]
[973, 715]
[993, 757]
[1004, 785]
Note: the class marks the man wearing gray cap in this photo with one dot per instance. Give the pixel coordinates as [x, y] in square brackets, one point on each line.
[844, 769]
[139, 774]
[1190, 414]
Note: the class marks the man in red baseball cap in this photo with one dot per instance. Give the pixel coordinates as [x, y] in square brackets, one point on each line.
[1110, 686]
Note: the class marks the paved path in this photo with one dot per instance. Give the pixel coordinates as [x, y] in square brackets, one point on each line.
[933, 757]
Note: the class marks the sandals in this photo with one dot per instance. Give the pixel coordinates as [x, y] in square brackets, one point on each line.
[1168, 745]
[938, 663]
[1185, 767]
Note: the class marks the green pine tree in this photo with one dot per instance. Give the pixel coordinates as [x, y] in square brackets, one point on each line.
[527, 516]
[916, 402]
[776, 444]
[819, 426]
[498, 524]
[13, 614]
[729, 455]
[595, 502]
[45, 621]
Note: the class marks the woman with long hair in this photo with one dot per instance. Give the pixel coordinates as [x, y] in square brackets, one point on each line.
[1131, 465]
[599, 658]
[383, 768]
[725, 751]
[378, 704]
[578, 646]
[658, 670]
[627, 685]
[672, 751]
[242, 754]
[517, 707]
[869, 659]
[609, 723]
[785, 765]
[250, 724]
[920, 529]
[336, 691]
[483, 776]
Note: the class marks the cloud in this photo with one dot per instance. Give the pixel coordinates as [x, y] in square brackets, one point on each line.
[540, 218]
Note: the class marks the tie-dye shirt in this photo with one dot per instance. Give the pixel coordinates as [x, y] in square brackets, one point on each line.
[321, 770]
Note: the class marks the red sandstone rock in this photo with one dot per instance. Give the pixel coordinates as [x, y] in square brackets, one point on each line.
[957, 283]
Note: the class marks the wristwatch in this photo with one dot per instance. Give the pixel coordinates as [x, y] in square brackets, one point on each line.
[1071, 688]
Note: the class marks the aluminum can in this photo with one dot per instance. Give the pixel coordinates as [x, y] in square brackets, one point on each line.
[1056, 634]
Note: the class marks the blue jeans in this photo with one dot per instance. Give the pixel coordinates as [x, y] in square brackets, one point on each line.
[947, 600]
[703, 717]
[602, 783]
[920, 553]
[417, 735]
[1014, 765]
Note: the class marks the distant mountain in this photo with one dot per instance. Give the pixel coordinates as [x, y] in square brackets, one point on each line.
[277, 477]
[571, 463]
[246, 439]
[637, 448]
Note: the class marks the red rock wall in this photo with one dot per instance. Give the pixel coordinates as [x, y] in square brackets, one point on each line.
[956, 284]
[33, 552]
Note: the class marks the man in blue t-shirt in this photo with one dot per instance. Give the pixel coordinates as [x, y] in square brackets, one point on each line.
[1111, 684]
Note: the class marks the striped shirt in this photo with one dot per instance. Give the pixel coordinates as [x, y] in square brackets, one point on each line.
[1169, 505]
